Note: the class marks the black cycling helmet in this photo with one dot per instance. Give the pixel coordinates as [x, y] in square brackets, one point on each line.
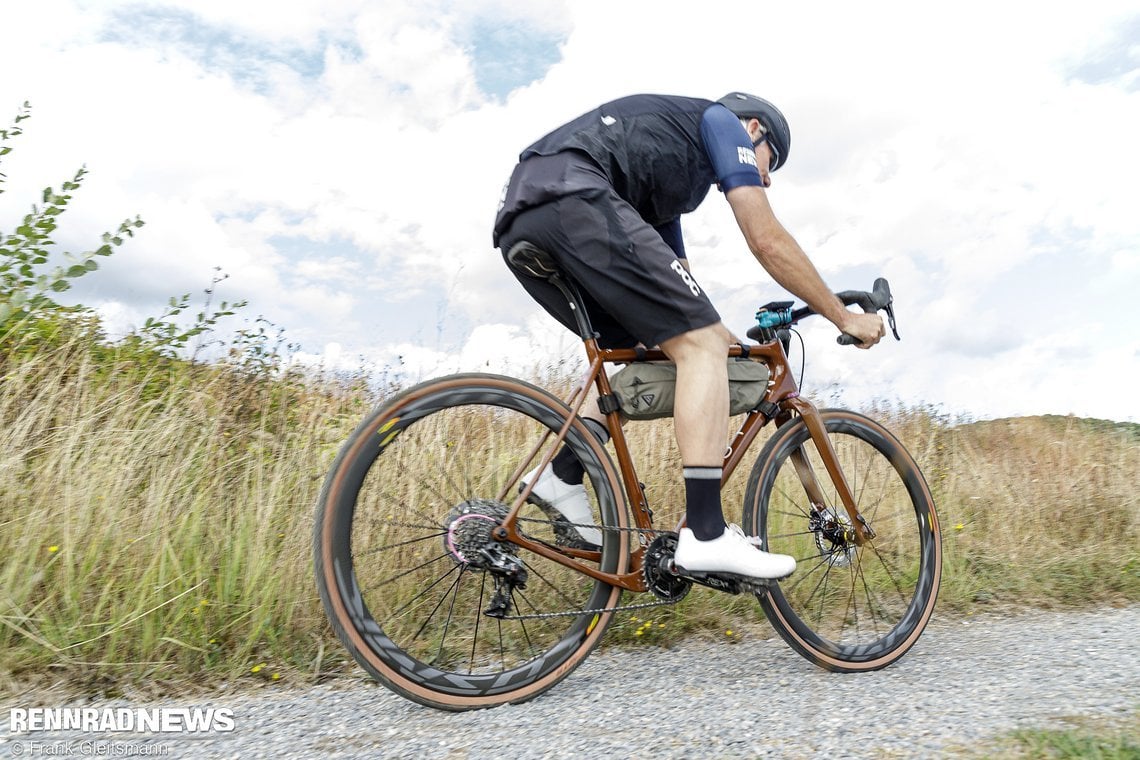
[776, 129]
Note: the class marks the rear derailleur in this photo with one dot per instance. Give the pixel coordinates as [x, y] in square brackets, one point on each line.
[508, 573]
[469, 541]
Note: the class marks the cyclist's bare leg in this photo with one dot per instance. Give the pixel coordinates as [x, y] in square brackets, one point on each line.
[700, 418]
[700, 412]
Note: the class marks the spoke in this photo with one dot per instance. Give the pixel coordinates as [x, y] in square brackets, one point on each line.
[866, 478]
[522, 623]
[852, 472]
[430, 463]
[802, 578]
[824, 582]
[408, 572]
[450, 612]
[478, 618]
[406, 508]
[542, 578]
[411, 601]
[410, 541]
[502, 651]
[802, 512]
[853, 604]
[439, 492]
[872, 512]
[793, 515]
[819, 613]
[893, 572]
[440, 602]
[871, 602]
[797, 533]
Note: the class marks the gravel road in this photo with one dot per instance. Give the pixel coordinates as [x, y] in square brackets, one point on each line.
[965, 682]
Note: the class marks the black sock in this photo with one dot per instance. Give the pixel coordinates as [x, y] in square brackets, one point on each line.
[703, 513]
[566, 465]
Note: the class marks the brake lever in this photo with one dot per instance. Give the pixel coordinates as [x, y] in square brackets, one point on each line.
[890, 310]
[878, 300]
[885, 301]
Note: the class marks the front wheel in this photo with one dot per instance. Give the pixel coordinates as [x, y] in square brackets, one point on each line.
[848, 608]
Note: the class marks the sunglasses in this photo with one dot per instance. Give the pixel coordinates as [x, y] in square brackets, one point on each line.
[771, 147]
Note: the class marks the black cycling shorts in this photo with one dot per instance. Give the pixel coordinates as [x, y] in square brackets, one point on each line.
[632, 282]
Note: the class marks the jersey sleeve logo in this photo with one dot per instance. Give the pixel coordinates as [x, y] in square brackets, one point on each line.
[746, 156]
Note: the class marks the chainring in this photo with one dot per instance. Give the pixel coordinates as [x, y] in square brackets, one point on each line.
[659, 578]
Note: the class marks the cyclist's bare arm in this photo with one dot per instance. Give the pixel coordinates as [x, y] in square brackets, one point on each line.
[783, 259]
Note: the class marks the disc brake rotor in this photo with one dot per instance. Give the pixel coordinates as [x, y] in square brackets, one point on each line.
[834, 536]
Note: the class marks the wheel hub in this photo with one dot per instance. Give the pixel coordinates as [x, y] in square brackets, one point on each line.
[834, 536]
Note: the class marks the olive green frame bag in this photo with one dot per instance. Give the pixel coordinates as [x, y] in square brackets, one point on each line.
[646, 390]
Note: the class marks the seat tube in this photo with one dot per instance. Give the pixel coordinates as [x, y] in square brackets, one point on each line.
[635, 494]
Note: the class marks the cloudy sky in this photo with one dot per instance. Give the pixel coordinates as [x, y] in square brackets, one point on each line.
[341, 160]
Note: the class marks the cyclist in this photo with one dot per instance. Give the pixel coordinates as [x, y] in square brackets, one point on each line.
[603, 194]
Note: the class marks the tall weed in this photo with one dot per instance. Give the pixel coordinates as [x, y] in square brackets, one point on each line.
[155, 515]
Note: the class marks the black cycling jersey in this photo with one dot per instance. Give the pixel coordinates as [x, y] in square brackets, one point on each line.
[660, 153]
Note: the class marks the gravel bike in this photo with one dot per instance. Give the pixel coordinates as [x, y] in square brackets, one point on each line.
[448, 586]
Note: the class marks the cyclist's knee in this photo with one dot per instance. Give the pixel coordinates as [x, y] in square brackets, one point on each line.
[710, 341]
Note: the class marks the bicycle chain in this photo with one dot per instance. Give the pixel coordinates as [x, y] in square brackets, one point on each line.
[596, 611]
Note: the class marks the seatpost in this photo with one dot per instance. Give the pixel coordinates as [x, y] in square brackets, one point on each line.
[585, 329]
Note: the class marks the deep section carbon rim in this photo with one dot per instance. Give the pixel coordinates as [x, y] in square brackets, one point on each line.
[847, 607]
[406, 565]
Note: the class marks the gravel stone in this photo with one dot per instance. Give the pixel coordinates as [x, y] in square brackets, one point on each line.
[964, 683]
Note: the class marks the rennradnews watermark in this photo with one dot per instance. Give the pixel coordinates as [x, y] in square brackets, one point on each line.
[120, 720]
[108, 731]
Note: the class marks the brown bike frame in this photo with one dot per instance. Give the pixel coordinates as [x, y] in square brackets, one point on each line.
[782, 394]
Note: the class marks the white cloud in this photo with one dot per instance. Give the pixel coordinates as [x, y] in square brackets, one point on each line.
[982, 167]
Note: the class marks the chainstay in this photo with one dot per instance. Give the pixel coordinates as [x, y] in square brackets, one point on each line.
[575, 613]
[598, 610]
[609, 528]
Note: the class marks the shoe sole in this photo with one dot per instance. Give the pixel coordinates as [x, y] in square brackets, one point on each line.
[733, 583]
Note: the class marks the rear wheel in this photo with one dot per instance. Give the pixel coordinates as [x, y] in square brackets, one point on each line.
[847, 607]
[406, 565]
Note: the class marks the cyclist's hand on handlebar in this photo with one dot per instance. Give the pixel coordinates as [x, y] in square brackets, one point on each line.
[868, 328]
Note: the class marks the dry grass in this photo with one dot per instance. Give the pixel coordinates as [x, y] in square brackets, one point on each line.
[156, 519]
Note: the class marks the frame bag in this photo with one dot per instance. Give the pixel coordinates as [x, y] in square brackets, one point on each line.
[646, 390]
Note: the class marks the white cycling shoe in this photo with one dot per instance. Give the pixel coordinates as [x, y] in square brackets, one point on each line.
[564, 503]
[733, 553]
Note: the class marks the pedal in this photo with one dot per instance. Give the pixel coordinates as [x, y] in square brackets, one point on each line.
[730, 584]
